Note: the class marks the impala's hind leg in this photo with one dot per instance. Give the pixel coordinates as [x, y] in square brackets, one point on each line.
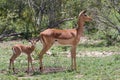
[43, 51]
[47, 43]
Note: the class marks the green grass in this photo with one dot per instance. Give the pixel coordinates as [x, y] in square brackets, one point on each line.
[88, 68]
[98, 47]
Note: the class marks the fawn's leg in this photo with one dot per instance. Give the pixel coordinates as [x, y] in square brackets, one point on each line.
[12, 59]
[30, 61]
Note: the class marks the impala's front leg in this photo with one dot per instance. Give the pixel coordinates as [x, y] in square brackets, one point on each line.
[73, 57]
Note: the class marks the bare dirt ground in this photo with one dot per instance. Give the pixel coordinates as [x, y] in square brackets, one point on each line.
[94, 53]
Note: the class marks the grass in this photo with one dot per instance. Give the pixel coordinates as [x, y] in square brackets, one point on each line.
[88, 68]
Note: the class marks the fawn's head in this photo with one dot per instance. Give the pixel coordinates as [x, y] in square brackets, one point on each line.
[83, 17]
[33, 42]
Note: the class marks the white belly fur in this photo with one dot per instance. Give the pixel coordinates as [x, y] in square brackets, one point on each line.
[63, 42]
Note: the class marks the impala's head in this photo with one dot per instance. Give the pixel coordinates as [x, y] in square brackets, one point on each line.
[83, 17]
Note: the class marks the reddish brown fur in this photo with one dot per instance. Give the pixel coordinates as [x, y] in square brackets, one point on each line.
[18, 49]
[64, 37]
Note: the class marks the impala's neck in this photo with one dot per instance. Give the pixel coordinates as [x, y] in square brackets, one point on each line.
[32, 47]
[80, 28]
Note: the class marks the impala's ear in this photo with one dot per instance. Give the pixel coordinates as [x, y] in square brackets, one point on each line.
[84, 11]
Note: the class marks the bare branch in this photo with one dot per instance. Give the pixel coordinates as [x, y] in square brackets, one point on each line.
[60, 22]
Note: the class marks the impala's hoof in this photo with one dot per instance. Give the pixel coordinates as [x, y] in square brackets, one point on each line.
[41, 69]
[27, 71]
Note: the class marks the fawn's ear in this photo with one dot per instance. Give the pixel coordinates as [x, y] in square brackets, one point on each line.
[37, 39]
[29, 40]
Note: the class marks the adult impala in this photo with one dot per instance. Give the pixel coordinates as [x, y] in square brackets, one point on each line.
[69, 37]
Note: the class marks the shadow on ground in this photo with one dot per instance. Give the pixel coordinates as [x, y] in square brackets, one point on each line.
[23, 73]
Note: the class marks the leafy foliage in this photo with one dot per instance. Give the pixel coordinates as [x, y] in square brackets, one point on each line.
[33, 16]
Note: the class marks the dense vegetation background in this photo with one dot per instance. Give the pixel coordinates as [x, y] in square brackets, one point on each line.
[98, 56]
[27, 18]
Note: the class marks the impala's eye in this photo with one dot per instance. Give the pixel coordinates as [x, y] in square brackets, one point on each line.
[85, 15]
